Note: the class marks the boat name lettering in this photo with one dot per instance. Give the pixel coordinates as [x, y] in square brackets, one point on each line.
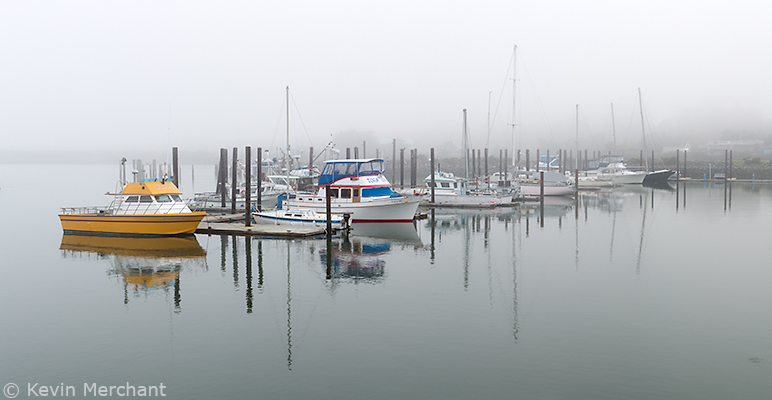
[174, 218]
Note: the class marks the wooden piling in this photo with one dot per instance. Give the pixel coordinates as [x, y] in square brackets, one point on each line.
[486, 161]
[678, 177]
[473, 165]
[527, 159]
[402, 168]
[394, 160]
[431, 156]
[234, 184]
[259, 200]
[506, 167]
[223, 176]
[175, 168]
[248, 185]
[328, 198]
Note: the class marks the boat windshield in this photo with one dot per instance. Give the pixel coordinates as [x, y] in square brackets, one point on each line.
[342, 169]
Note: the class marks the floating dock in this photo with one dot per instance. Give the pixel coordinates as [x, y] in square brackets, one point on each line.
[233, 224]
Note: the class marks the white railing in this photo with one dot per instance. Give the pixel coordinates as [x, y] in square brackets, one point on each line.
[86, 210]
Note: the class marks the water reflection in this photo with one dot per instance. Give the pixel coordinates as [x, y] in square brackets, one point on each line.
[146, 265]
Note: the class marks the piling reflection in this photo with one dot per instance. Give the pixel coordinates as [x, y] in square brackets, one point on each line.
[146, 265]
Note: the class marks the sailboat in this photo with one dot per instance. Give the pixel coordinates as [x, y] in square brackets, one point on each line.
[534, 183]
[656, 178]
[453, 192]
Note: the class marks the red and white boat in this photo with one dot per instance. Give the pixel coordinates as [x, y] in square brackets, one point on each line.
[357, 187]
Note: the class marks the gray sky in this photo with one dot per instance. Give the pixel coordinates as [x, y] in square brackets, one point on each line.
[202, 75]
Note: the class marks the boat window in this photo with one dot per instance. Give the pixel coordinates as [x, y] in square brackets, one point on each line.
[163, 198]
[176, 197]
[356, 192]
[345, 193]
[455, 184]
[145, 199]
[132, 199]
[431, 184]
[334, 193]
[377, 191]
[371, 168]
[445, 184]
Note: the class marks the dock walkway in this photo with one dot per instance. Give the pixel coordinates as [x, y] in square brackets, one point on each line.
[233, 224]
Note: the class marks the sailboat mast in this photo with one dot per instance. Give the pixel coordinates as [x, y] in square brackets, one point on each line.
[514, 100]
[643, 129]
[288, 143]
[577, 138]
[613, 128]
[466, 158]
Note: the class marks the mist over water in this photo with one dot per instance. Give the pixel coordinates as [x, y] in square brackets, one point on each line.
[633, 293]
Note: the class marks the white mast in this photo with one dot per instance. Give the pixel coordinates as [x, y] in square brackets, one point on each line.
[466, 158]
[288, 158]
[643, 130]
[576, 160]
[514, 99]
[613, 128]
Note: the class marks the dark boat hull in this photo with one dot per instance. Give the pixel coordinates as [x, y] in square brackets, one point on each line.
[657, 178]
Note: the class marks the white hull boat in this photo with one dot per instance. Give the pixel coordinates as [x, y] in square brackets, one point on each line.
[299, 218]
[357, 187]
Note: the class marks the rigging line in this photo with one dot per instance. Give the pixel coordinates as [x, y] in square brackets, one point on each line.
[301, 120]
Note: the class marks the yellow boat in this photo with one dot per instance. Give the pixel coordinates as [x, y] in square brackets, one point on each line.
[147, 208]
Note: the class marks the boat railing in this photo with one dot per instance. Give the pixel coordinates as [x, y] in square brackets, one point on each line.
[86, 210]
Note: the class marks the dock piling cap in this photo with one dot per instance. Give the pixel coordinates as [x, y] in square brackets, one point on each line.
[151, 188]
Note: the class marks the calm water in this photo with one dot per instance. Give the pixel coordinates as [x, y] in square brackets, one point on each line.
[635, 293]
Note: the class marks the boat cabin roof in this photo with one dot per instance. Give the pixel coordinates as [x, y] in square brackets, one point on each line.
[151, 188]
[338, 169]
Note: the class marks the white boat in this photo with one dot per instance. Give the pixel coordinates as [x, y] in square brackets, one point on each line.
[555, 184]
[359, 188]
[299, 218]
[445, 184]
[614, 168]
[448, 188]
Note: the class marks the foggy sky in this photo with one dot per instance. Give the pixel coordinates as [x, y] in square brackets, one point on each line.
[133, 75]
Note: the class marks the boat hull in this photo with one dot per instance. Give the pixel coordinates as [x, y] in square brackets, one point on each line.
[133, 225]
[398, 209]
[658, 178]
[535, 190]
[278, 219]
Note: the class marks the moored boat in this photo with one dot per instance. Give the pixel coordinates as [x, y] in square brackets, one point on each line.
[357, 187]
[300, 218]
[658, 178]
[146, 208]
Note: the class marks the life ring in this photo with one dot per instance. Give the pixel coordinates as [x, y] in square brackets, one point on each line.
[243, 193]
